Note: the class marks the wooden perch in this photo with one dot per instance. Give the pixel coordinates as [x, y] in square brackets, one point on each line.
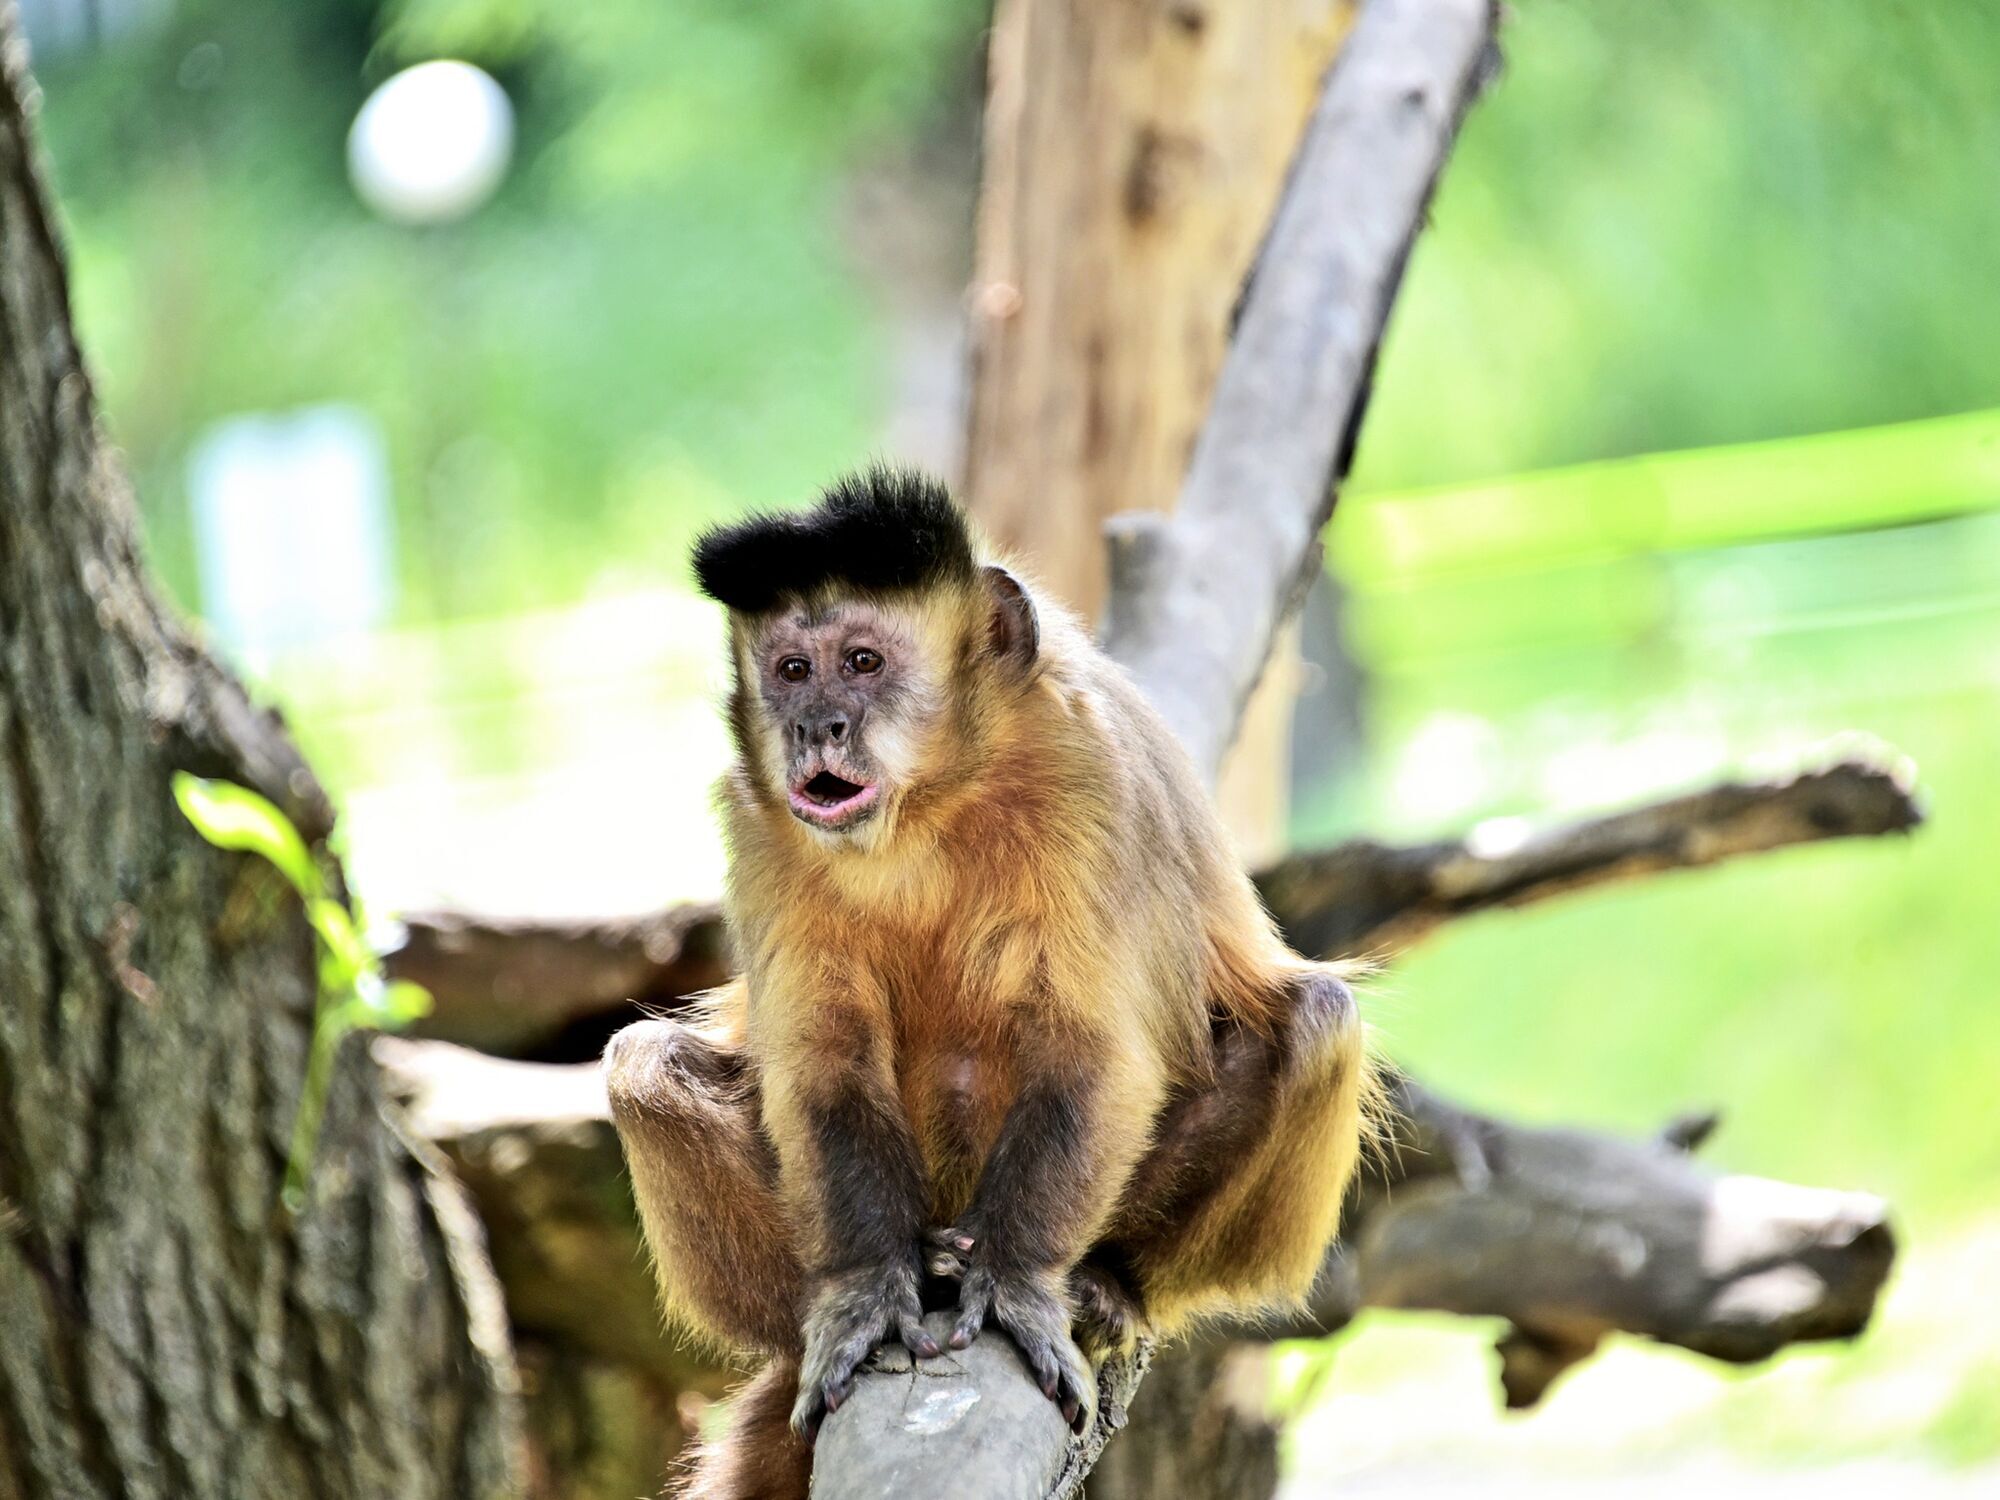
[555, 990]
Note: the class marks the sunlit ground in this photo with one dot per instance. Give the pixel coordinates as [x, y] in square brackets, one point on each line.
[1407, 1405]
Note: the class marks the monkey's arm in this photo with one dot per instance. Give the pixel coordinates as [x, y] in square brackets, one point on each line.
[1059, 1165]
[853, 1170]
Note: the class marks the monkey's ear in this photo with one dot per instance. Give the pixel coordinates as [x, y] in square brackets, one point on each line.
[1011, 629]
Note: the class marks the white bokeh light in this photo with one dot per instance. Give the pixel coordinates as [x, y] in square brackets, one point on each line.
[432, 143]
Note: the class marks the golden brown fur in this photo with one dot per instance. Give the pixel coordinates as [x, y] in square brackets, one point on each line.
[1034, 993]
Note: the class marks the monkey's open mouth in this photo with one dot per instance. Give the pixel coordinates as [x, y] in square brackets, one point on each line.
[829, 801]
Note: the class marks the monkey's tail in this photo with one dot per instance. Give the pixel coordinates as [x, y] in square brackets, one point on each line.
[758, 1457]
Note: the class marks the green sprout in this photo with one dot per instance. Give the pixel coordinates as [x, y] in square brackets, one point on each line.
[353, 995]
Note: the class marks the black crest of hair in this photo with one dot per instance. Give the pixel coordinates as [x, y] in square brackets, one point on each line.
[882, 530]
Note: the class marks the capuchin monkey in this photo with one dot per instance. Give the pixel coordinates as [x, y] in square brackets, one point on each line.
[1010, 1012]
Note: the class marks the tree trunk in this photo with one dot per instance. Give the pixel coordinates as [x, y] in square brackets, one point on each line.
[1133, 156]
[167, 1332]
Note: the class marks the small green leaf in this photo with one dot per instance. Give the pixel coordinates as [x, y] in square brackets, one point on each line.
[348, 958]
[352, 992]
[388, 1006]
[234, 817]
[405, 1001]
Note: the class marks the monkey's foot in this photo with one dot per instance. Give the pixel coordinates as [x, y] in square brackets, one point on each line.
[852, 1312]
[948, 1252]
[1030, 1307]
[1110, 1318]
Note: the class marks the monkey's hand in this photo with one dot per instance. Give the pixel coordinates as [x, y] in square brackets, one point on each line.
[1030, 1306]
[853, 1311]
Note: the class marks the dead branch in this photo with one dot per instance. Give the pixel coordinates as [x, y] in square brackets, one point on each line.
[1571, 1235]
[554, 989]
[1369, 898]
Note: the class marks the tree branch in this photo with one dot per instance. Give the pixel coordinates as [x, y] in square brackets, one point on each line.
[1571, 1235]
[554, 990]
[1197, 596]
[1366, 898]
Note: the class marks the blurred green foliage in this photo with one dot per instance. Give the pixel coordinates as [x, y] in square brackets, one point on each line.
[1677, 225]
[654, 319]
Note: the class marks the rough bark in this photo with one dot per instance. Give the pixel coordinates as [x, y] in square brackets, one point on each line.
[1201, 1425]
[1364, 898]
[167, 1333]
[1571, 1235]
[553, 990]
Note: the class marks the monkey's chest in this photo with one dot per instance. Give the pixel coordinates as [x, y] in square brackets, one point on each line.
[956, 1095]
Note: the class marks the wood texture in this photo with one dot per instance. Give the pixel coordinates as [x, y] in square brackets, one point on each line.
[528, 988]
[1364, 898]
[166, 1332]
[1570, 1235]
[1197, 599]
[1133, 155]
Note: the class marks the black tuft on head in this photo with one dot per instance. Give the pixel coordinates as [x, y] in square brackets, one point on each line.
[881, 529]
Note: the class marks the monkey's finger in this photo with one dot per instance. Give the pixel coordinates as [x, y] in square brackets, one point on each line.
[1065, 1379]
[917, 1339]
[973, 1301]
[807, 1414]
[945, 1264]
[1079, 1404]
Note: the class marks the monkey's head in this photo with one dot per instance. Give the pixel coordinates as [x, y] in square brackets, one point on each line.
[867, 638]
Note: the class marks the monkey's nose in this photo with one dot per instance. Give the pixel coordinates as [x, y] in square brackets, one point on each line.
[820, 729]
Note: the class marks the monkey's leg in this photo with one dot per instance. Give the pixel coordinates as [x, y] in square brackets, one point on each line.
[1235, 1203]
[759, 1457]
[705, 1180]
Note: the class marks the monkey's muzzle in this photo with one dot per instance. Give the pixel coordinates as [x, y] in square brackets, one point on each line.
[829, 800]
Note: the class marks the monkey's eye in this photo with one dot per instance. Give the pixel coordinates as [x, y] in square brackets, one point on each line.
[862, 660]
[795, 669]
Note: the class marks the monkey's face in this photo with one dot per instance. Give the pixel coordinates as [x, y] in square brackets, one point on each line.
[836, 685]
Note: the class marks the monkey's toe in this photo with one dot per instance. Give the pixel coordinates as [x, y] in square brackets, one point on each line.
[1028, 1307]
[948, 1252]
[1110, 1317]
